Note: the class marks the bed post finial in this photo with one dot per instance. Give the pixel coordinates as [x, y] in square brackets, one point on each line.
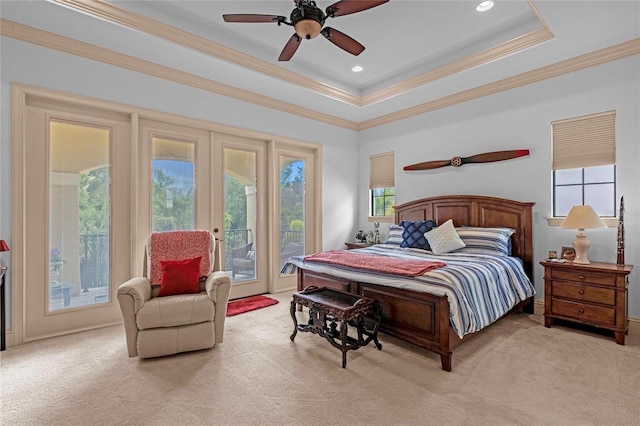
[620, 260]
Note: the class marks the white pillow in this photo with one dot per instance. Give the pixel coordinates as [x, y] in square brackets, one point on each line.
[444, 238]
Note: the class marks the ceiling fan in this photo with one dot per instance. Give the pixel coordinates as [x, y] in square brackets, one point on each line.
[307, 19]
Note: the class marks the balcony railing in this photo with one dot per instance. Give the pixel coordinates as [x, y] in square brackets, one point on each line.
[94, 261]
[94, 253]
[234, 238]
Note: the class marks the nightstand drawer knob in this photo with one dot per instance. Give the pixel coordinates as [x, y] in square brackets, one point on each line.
[581, 310]
[581, 277]
[581, 291]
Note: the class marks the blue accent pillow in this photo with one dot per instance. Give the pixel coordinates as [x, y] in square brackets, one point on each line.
[413, 233]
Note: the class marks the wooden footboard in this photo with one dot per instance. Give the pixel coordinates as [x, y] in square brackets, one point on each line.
[418, 318]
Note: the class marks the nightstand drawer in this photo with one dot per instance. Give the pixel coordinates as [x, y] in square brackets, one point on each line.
[581, 311]
[585, 293]
[581, 276]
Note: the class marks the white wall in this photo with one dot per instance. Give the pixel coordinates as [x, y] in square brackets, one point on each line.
[521, 119]
[33, 65]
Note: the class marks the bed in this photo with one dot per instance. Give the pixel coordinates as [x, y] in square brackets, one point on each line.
[423, 318]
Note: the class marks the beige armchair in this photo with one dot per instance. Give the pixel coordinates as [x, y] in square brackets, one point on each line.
[157, 326]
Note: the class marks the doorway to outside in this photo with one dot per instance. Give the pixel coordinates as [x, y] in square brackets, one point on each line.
[243, 240]
[93, 191]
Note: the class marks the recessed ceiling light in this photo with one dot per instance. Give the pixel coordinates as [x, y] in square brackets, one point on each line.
[484, 6]
[357, 68]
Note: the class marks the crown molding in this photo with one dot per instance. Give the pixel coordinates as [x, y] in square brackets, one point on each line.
[517, 44]
[68, 45]
[588, 60]
[117, 15]
[483, 57]
[112, 13]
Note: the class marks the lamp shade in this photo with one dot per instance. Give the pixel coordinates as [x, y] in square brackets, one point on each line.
[582, 217]
[3, 246]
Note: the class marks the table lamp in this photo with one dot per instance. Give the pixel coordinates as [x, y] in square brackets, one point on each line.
[3, 247]
[581, 218]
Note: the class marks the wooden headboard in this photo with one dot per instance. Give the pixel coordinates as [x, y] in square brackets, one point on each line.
[475, 210]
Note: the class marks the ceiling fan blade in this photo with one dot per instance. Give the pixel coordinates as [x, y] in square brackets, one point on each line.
[342, 40]
[487, 157]
[346, 7]
[290, 48]
[251, 18]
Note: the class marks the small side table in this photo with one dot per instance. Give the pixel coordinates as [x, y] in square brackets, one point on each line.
[328, 308]
[3, 325]
[593, 294]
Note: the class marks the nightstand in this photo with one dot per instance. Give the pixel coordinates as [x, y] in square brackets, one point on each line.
[351, 246]
[593, 294]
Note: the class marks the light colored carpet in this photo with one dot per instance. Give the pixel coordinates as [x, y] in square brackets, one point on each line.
[515, 373]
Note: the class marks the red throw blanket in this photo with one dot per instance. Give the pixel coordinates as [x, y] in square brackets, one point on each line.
[178, 245]
[371, 262]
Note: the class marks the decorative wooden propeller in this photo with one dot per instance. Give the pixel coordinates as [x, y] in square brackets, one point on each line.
[487, 157]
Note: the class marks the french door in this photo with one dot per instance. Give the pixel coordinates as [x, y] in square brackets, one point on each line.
[173, 182]
[74, 255]
[296, 201]
[92, 181]
[243, 172]
[191, 178]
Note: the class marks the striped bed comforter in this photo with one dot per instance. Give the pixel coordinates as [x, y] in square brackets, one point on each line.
[480, 288]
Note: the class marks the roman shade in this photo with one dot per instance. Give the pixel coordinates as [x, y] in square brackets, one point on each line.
[585, 141]
[381, 171]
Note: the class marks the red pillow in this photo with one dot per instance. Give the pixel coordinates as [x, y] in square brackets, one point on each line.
[180, 277]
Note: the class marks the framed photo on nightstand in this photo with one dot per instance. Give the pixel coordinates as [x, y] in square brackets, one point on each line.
[568, 253]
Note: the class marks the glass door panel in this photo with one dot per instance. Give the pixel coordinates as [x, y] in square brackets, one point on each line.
[173, 183]
[292, 207]
[240, 214]
[79, 215]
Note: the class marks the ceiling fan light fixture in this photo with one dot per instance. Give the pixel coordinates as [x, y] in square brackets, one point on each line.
[484, 6]
[307, 20]
[307, 28]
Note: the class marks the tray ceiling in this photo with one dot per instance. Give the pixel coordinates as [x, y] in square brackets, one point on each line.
[419, 55]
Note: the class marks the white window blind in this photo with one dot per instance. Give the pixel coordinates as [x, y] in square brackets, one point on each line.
[381, 171]
[585, 141]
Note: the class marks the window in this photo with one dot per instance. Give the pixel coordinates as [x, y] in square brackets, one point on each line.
[584, 171]
[594, 186]
[382, 201]
[381, 185]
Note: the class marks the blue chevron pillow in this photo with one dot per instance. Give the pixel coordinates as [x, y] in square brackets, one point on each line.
[413, 233]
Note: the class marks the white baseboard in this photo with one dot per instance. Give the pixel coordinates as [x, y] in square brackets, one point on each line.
[634, 323]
